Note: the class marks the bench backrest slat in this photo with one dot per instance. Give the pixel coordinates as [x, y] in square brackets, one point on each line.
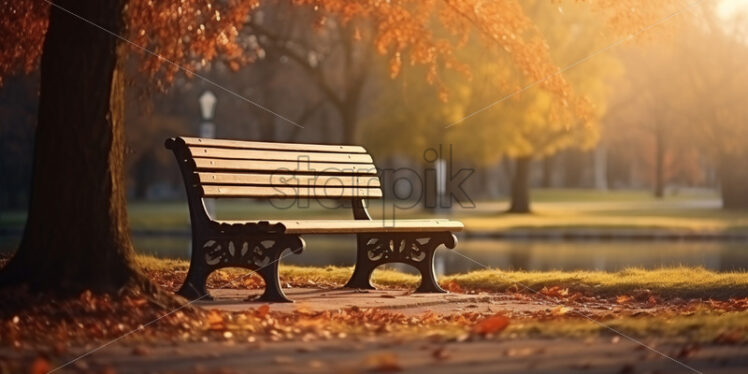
[240, 144]
[288, 179]
[232, 168]
[302, 156]
[291, 192]
[218, 164]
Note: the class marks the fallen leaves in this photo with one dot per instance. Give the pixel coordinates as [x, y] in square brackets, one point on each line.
[40, 365]
[452, 286]
[555, 291]
[263, 310]
[560, 310]
[624, 299]
[491, 325]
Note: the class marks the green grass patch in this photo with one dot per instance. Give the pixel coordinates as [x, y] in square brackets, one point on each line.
[702, 327]
[681, 282]
[553, 208]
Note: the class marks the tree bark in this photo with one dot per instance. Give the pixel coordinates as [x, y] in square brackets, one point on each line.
[349, 120]
[734, 181]
[659, 185]
[547, 181]
[520, 199]
[77, 235]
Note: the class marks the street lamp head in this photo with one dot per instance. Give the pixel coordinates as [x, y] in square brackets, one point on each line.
[207, 104]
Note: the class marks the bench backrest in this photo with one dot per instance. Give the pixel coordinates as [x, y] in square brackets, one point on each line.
[216, 168]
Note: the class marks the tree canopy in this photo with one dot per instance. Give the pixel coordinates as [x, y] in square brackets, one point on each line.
[188, 35]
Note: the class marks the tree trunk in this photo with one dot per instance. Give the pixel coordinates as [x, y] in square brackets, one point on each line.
[348, 117]
[77, 235]
[734, 182]
[547, 181]
[520, 202]
[659, 185]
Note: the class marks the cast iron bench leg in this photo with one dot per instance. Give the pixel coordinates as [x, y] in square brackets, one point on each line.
[259, 253]
[194, 285]
[273, 291]
[415, 249]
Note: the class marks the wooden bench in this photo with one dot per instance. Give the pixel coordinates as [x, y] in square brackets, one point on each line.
[214, 168]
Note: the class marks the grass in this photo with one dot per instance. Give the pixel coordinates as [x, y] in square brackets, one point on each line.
[700, 327]
[680, 282]
[553, 208]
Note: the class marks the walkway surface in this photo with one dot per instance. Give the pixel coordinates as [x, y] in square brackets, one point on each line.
[604, 354]
[404, 302]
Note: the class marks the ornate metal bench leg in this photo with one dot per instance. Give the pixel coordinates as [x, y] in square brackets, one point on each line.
[194, 284]
[273, 291]
[415, 249]
[258, 252]
[428, 276]
[361, 278]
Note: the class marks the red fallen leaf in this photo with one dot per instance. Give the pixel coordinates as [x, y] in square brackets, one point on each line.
[493, 324]
[555, 291]
[263, 310]
[40, 365]
[624, 299]
[452, 286]
[383, 362]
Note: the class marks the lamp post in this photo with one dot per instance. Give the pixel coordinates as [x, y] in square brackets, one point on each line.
[207, 101]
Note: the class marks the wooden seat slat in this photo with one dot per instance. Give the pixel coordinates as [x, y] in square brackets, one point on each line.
[303, 156]
[278, 179]
[290, 192]
[215, 164]
[240, 144]
[361, 226]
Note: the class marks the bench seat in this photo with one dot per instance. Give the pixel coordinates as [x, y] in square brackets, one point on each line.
[360, 226]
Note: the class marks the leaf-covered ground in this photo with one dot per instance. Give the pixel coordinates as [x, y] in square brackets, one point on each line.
[684, 304]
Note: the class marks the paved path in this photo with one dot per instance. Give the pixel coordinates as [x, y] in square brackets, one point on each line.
[402, 301]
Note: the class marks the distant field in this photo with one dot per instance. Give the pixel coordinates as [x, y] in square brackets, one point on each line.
[571, 208]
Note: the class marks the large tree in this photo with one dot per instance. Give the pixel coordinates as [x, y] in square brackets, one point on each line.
[531, 123]
[77, 235]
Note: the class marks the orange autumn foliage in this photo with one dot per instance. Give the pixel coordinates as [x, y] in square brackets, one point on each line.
[192, 33]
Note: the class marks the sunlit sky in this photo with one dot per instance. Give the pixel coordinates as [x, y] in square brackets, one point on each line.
[728, 8]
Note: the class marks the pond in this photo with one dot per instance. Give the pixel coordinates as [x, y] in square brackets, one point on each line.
[503, 254]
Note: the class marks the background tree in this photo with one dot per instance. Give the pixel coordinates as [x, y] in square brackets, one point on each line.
[684, 95]
[529, 125]
[336, 59]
